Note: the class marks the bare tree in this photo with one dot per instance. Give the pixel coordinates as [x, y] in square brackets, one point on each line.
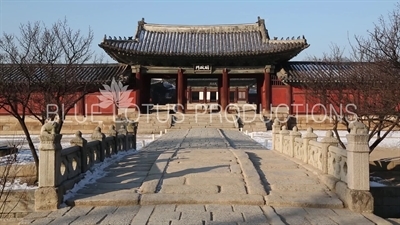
[367, 87]
[40, 72]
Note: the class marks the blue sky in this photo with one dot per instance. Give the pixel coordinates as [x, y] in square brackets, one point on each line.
[321, 22]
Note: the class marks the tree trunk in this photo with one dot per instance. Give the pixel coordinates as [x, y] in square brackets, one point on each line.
[31, 146]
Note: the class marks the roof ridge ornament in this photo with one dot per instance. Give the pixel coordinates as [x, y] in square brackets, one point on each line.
[141, 24]
[263, 29]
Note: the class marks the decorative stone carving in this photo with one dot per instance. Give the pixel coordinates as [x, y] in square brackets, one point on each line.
[295, 132]
[122, 130]
[357, 127]
[112, 131]
[329, 138]
[78, 140]
[50, 127]
[97, 135]
[282, 75]
[310, 134]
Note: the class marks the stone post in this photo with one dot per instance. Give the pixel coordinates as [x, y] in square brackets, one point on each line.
[358, 195]
[86, 158]
[284, 132]
[293, 135]
[358, 158]
[122, 131]
[327, 141]
[98, 136]
[276, 128]
[48, 196]
[309, 135]
[132, 130]
[112, 132]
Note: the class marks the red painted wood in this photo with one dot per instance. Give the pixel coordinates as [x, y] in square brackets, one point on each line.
[180, 90]
[266, 89]
[138, 88]
[224, 90]
[279, 95]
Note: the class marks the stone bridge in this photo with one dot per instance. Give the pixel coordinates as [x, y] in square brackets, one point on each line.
[209, 176]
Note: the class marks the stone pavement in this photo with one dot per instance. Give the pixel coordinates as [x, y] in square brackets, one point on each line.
[204, 176]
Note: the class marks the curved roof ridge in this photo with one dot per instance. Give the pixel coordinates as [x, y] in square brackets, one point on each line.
[205, 28]
[199, 25]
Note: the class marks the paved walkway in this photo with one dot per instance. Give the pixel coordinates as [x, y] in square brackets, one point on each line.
[204, 176]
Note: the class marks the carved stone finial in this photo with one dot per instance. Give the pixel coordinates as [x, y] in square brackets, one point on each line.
[122, 130]
[295, 132]
[358, 127]
[78, 134]
[97, 135]
[310, 134]
[284, 130]
[78, 140]
[50, 127]
[112, 131]
[329, 138]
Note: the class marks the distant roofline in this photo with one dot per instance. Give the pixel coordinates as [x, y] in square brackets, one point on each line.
[201, 25]
[258, 22]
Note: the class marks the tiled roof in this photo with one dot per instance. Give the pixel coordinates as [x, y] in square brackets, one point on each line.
[84, 73]
[300, 72]
[203, 41]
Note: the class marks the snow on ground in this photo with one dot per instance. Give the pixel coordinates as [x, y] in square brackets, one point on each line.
[24, 156]
[97, 172]
[392, 140]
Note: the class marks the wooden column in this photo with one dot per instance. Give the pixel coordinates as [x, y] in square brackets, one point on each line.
[185, 93]
[138, 88]
[180, 90]
[145, 93]
[224, 90]
[247, 95]
[190, 94]
[236, 95]
[289, 98]
[204, 95]
[266, 90]
[260, 82]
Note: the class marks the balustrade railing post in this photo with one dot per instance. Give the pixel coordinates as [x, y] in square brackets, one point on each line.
[276, 128]
[98, 136]
[86, 158]
[327, 141]
[358, 168]
[308, 136]
[112, 132]
[293, 135]
[122, 131]
[48, 196]
[284, 132]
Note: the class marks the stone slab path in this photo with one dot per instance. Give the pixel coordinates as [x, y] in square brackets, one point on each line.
[204, 176]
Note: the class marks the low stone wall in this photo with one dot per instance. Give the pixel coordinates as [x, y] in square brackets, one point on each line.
[60, 169]
[17, 203]
[26, 173]
[346, 171]
[386, 201]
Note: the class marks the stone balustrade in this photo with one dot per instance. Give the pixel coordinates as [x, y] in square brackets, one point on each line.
[60, 169]
[346, 171]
